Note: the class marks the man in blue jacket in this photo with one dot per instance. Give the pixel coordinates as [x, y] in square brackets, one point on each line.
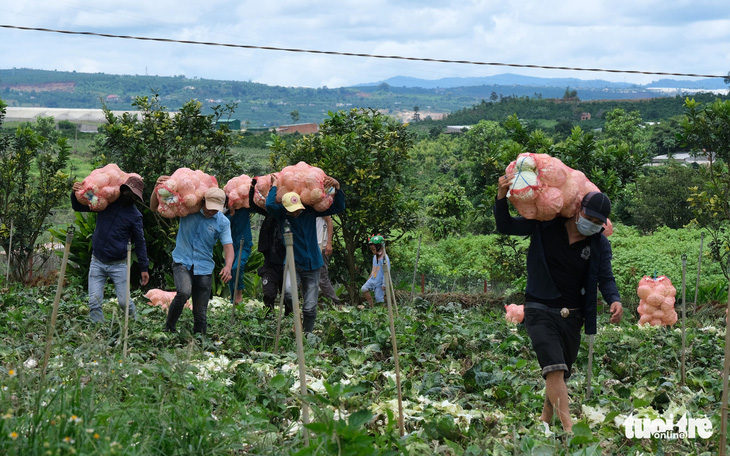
[307, 255]
[119, 222]
[568, 259]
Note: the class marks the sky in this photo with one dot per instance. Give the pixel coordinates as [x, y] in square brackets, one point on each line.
[676, 36]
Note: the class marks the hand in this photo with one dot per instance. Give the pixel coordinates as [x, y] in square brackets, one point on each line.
[161, 180]
[145, 278]
[331, 182]
[76, 186]
[328, 249]
[617, 312]
[504, 184]
[225, 274]
[274, 180]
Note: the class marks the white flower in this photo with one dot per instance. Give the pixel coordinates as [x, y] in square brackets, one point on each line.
[594, 415]
[30, 363]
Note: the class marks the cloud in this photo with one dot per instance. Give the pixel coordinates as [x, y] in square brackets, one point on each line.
[678, 36]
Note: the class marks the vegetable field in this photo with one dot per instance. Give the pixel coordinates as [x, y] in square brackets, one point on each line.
[470, 382]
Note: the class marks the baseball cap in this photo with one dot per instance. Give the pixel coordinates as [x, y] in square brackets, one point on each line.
[135, 184]
[214, 199]
[597, 204]
[292, 202]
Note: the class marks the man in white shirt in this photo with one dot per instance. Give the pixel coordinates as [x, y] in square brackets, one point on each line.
[324, 238]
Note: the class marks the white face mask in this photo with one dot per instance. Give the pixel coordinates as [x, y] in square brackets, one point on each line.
[586, 227]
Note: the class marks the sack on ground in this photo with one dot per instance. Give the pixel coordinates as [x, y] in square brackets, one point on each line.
[656, 304]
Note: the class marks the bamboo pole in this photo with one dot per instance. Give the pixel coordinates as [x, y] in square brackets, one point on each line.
[57, 300]
[10, 252]
[129, 298]
[291, 270]
[725, 374]
[684, 321]
[699, 265]
[235, 284]
[390, 299]
[415, 268]
[392, 292]
[589, 374]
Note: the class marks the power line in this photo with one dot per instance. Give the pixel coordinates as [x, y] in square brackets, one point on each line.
[353, 54]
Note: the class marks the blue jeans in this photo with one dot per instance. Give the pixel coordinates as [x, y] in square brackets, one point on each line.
[188, 284]
[98, 273]
[309, 281]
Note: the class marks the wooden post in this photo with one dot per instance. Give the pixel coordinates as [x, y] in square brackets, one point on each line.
[699, 265]
[10, 252]
[684, 321]
[391, 299]
[725, 374]
[423, 284]
[235, 284]
[127, 291]
[292, 273]
[415, 268]
[281, 311]
[57, 300]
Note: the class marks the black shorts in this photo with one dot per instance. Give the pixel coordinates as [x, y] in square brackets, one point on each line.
[556, 340]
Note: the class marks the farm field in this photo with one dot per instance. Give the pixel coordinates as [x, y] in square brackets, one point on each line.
[470, 382]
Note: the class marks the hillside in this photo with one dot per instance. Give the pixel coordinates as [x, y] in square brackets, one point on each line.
[260, 105]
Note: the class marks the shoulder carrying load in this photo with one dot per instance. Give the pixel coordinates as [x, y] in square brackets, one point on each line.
[101, 187]
[263, 185]
[237, 190]
[543, 187]
[656, 306]
[308, 182]
[515, 313]
[182, 194]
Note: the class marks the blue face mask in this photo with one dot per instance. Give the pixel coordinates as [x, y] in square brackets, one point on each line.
[586, 227]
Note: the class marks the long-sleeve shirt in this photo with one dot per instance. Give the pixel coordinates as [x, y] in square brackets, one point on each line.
[539, 280]
[196, 238]
[115, 226]
[307, 255]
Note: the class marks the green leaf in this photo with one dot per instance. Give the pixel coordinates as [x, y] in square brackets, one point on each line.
[360, 418]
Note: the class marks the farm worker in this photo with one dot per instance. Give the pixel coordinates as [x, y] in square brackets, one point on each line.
[271, 244]
[192, 258]
[307, 255]
[324, 237]
[376, 281]
[115, 226]
[240, 220]
[568, 259]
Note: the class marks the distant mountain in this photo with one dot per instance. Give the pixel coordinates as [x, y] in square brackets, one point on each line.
[519, 80]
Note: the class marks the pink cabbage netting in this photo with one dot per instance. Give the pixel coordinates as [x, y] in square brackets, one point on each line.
[543, 187]
[515, 313]
[237, 190]
[308, 182]
[182, 194]
[656, 306]
[163, 298]
[101, 187]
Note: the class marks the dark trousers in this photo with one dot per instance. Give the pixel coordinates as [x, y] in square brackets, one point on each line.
[272, 279]
[188, 285]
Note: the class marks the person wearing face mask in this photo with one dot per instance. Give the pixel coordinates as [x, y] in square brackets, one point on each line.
[192, 258]
[567, 262]
[119, 222]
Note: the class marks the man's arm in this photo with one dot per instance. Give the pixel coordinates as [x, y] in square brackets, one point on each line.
[75, 204]
[272, 207]
[228, 255]
[330, 226]
[607, 282]
[154, 202]
[338, 203]
[506, 224]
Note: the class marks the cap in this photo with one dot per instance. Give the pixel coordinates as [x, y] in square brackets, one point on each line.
[135, 184]
[377, 239]
[292, 202]
[597, 204]
[214, 199]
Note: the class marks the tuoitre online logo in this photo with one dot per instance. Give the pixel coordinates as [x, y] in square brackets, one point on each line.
[661, 428]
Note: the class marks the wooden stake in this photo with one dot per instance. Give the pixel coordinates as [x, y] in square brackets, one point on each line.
[281, 311]
[57, 300]
[10, 252]
[235, 284]
[725, 374]
[415, 268]
[391, 299]
[126, 308]
[291, 270]
[684, 321]
[699, 265]
[589, 374]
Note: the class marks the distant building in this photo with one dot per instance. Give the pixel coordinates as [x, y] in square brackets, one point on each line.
[112, 98]
[585, 116]
[683, 158]
[302, 129]
[233, 124]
